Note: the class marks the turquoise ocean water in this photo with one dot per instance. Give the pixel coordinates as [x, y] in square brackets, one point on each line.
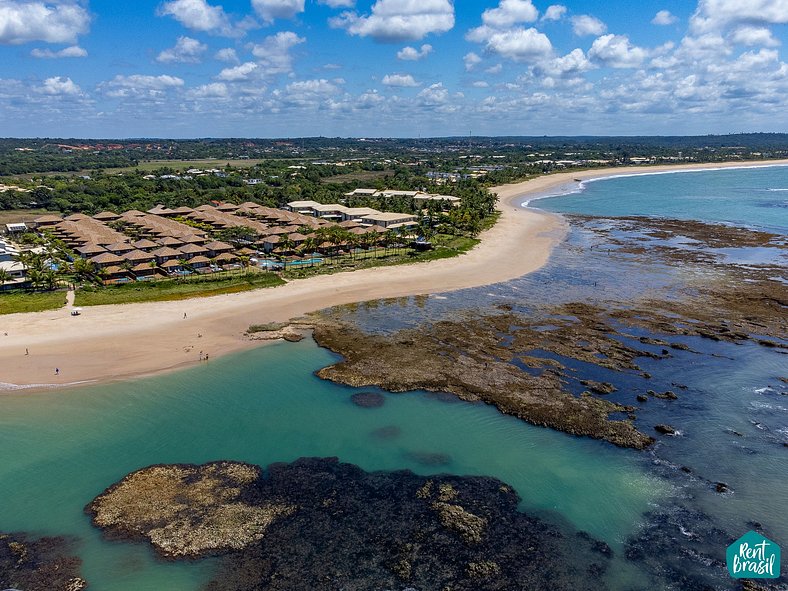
[59, 449]
[755, 197]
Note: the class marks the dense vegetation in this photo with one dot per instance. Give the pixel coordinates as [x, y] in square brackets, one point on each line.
[22, 156]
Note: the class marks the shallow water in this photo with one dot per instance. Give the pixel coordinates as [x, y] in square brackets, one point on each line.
[58, 450]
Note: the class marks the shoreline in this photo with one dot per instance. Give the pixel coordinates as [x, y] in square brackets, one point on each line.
[123, 341]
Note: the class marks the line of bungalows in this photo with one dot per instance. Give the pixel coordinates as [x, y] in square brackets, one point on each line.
[162, 242]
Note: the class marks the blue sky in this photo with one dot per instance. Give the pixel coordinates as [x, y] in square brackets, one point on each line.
[272, 68]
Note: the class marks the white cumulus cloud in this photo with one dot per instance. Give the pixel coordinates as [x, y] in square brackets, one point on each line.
[186, 51]
[58, 85]
[338, 3]
[716, 15]
[663, 18]
[616, 51]
[520, 44]
[748, 35]
[306, 88]
[198, 15]
[214, 90]
[586, 24]
[471, 60]
[270, 10]
[509, 13]
[412, 54]
[554, 12]
[241, 72]
[273, 54]
[140, 86]
[570, 65]
[53, 22]
[434, 96]
[228, 55]
[401, 80]
[73, 51]
[399, 20]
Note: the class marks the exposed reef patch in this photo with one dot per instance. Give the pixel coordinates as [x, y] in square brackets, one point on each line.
[470, 359]
[188, 511]
[349, 529]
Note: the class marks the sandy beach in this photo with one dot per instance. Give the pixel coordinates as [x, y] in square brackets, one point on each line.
[121, 341]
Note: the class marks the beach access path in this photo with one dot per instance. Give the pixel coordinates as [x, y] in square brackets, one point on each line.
[113, 342]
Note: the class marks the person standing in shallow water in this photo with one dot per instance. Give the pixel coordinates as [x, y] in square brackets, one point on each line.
[57, 371]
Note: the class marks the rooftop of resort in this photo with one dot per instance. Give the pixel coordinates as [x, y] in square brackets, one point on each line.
[415, 195]
[365, 216]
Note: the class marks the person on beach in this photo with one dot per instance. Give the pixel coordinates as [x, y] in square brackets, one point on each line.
[27, 351]
[57, 371]
[184, 315]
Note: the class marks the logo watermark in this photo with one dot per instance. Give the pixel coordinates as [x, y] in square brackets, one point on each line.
[753, 556]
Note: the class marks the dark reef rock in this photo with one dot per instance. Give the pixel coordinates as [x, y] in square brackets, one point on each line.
[344, 528]
[642, 398]
[469, 359]
[599, 387]
[368, 399]
[669, 395]
[664, 429]
[695, 549]
[44, 564]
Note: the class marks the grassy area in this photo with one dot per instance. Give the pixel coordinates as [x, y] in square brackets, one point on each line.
[23, 301]
[490, 220]
[174, 289]
[445, 247]
[12, 216]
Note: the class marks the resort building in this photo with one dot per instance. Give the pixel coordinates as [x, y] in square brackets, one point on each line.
[362, 215]
[8, 251]
[418, 196]
[391, 220]
[17, 273]
[136, 245]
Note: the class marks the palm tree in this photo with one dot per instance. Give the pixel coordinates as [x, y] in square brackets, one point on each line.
[244, 262]
[321, 236]
[286, 244]
[390, 237]
[36, 277]
[83, 268]
[337, 236]
[5, 277]
[371, 241]
[49, 279]
[307, 248]
[354, 240]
